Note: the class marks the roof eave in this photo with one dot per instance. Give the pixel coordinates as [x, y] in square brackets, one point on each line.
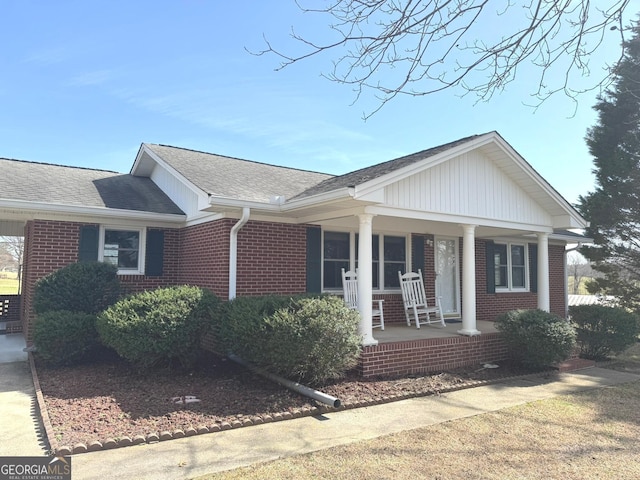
[29, 207]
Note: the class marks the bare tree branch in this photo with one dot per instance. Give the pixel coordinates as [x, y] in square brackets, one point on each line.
[420, 47]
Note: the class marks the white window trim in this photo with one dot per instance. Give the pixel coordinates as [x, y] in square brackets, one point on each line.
[352, 256]
[142, 231]
[510, 287]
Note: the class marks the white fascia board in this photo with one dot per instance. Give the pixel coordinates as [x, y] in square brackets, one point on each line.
[288, 206]
[570, 238]
[138, 167]
[226, 202]
[457, 219]
[181, 178]
[326, 197]
[569, 221]
[31, 208]
[576, 220]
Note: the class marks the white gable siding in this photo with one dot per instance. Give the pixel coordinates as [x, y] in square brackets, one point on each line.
[176, 190]
[468, 185]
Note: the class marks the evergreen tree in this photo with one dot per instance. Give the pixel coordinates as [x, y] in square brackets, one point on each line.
[613, 209]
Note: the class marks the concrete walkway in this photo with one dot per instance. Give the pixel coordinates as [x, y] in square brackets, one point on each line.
[20, 429]
[194, 456]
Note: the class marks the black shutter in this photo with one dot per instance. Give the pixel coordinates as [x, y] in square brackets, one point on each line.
[314, 257]
[417, 253]
[533, 267]
[154, 253]
[88, 243]
[491, 267]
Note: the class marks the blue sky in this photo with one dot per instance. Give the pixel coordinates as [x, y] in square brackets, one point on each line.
[86, 82]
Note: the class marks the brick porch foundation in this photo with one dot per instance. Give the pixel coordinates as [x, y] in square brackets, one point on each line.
[430, 355]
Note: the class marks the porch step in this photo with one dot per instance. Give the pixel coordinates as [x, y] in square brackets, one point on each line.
[574, 364]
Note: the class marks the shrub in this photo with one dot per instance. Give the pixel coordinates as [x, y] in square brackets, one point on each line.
[603, 331]
[63, 337]
[159, 326]
[310, 340]
[536, 338]
[87, 287]
[242, 322]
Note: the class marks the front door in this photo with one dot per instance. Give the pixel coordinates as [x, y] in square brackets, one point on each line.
[448, 275]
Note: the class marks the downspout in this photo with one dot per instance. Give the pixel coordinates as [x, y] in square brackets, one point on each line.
[233, 251]
[296, 387]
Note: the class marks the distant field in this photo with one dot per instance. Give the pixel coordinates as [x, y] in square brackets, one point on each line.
[9, 285]
[582, 289]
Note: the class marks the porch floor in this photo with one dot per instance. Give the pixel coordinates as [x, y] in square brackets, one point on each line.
[400, 332]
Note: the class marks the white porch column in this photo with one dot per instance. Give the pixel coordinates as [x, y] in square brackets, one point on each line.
[543, 272]
[365, 279]
[469, 281]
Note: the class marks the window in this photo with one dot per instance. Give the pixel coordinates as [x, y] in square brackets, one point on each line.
[123, 248]
[511, 266]
[388, 253]
[336, 257]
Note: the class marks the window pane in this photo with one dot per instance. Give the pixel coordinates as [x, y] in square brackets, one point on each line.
[336, 257]
[336, 246]
[518, 277]
[121, 248]
[500, 264]
[517, 255]
[501, 277]
[395, 256]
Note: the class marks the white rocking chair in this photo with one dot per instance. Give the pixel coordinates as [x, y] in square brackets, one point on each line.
[350, 289]
[416, 303]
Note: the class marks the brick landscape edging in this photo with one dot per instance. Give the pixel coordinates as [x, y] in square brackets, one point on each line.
[154, 437]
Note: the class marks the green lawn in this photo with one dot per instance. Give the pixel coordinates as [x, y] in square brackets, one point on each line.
[8, 286]
[583, 436]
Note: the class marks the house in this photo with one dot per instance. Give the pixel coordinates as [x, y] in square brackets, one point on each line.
[487, 231]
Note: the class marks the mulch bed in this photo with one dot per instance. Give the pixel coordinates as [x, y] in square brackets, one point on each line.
[109, 404]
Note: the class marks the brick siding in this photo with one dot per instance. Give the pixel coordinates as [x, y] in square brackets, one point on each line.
[430, 355]
[272, 260]
[51, 245]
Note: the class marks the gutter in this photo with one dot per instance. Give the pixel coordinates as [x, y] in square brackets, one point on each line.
[233, 251]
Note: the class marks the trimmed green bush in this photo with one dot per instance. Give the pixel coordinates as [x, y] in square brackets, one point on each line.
[159, 327]
[242, 322]
[536, 338]
[87, 287]
[309, 340]
[63, 337]
[604, 331]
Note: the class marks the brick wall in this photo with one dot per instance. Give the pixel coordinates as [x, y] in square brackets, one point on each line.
[271, 259]
[490, 305]
[204, 256]
[51, 245]
[430, 355]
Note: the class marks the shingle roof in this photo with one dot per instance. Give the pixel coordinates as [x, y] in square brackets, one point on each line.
[369, 173]
[57, 184]
[229, 177]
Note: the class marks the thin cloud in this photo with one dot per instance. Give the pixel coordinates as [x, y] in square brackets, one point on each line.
[96, 77]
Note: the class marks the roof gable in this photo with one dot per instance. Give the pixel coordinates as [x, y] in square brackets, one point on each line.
[233, 178]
